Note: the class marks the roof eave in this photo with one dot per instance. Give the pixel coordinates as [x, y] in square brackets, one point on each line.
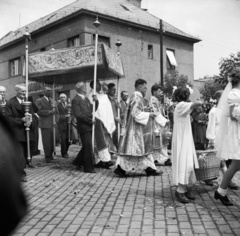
[150, 28]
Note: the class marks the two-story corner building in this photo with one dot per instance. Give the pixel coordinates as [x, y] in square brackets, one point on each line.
[122, 20]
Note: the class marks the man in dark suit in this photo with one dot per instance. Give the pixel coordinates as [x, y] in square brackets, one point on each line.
[123, 104]
[82, 109]
[46, 112]
[63, 124]
[16, 115]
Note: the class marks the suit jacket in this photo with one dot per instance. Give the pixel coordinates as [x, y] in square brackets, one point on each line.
[123, 106]
[114, 106]
[82, 109]
[14, 113]
[62, 119]
[44, 108]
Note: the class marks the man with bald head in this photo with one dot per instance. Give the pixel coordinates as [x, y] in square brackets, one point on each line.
[46, 112]
[82, 109]
[16, 115]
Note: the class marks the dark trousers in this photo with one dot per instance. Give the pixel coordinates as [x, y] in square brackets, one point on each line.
[64, 141]
[47, 140]
[85, 157]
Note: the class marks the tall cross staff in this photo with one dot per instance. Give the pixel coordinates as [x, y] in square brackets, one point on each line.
[96, 23]
[26, 104]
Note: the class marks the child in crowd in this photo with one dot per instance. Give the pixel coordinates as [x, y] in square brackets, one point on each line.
[184, 157]
[199, 126]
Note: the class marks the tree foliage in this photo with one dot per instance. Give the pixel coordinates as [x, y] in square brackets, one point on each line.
[226, 65]
[174, 79]
[210, 87]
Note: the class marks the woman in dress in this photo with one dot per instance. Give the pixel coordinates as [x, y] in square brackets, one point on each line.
[184, 157]
[228, 136]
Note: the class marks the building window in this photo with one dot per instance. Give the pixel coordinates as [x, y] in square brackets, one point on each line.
[74, 41]
[15, 67]
[42, 49]
[171, 60]
[150, 51]
[102, 39]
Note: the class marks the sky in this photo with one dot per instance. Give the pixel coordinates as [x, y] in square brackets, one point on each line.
[215, 22]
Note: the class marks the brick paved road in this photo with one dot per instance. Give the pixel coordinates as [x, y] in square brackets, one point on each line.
[65, 201]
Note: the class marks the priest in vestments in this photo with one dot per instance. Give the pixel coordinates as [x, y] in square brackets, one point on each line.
[161, 128]
[136, 141]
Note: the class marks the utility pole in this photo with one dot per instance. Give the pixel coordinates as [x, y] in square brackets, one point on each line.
[161, 53]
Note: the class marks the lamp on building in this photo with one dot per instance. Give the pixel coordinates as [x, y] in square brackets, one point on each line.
[118, 44]
[97, 24]
[26, 104]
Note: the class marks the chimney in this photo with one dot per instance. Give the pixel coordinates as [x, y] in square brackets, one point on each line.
[136, 3]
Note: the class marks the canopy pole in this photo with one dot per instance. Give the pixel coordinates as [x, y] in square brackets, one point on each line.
[69, 106]
[96, 24]
[118, 44]
[118, 101]
[26, 104]
[54, 117]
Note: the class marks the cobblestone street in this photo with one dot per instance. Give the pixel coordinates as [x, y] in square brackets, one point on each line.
[66, 201]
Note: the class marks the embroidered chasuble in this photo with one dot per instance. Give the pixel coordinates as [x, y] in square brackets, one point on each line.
[137, 140]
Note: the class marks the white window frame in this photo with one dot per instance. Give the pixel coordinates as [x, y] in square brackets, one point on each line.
[171, 58]
[15, 67]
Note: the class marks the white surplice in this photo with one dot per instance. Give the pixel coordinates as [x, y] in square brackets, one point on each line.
[184, 157]
[105, 114]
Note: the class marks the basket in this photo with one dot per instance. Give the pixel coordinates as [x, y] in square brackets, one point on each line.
[208, 165]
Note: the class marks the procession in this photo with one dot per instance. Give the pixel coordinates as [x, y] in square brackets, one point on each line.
[99, 139]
